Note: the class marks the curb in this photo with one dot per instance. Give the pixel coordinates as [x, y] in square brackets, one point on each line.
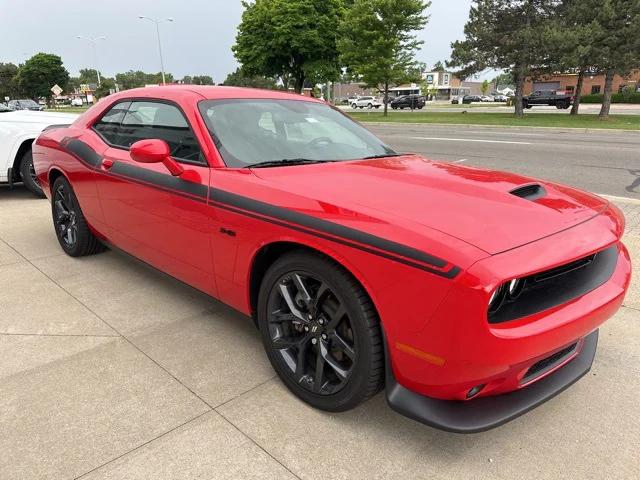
[511, 127]
[613, 198]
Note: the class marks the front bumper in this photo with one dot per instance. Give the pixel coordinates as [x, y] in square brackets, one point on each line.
[486, 413]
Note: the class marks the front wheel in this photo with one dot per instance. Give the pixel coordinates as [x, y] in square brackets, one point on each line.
[28, 174]
[72, 230]
[321, 332]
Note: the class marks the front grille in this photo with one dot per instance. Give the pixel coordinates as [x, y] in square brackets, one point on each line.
[559, 285]
[546, 364]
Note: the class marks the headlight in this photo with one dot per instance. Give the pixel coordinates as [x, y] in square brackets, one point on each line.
[507, 291]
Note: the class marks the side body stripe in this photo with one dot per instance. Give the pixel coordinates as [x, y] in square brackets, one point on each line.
[267, 212]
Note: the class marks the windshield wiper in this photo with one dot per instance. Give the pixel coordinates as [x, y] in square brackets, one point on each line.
[384, 155]
[287, 161]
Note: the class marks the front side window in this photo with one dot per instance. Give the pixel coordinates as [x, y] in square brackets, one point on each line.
[128, 122]
[249, 132]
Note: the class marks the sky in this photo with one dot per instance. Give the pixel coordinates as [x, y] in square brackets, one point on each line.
[197, 42]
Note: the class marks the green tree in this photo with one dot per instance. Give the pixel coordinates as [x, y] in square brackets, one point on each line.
[504, 79]
[202, 80]
[290, 39]
[8, 84]
[136, 79]
[439, 67]
[484, 88]
[571, 37]
[616, 49]
[239, 78]
[506, 35]
[41, 72]
[106, 85]
[378, 41]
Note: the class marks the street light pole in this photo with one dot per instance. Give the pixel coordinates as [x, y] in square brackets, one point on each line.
[157, 23]
[94, 41]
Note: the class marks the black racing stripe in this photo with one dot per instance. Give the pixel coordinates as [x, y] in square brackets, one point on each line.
[324, 226]
[301, 222]
[84, 152]
[160, 179]
[451, 273]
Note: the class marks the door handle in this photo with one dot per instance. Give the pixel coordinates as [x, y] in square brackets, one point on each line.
[107, 164]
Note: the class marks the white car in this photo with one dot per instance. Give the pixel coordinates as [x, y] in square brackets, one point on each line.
[18, 130]
[366, 102]
[77, 102]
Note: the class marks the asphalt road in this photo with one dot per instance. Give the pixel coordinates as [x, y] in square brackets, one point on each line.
[602, 162]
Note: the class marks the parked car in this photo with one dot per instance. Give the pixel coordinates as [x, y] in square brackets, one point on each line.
[560, 101]
[77, 102]
[487, 98]
[467, 99]
[408, 101]
[366, 102]
[27, 104]
[18, 130]
[500, 98]
[498, 287]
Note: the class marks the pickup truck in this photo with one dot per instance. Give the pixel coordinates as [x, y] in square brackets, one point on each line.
[560, 101]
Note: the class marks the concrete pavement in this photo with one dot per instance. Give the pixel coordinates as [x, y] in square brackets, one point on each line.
[110, 370]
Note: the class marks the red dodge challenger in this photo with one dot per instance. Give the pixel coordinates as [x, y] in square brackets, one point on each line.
[471, 295]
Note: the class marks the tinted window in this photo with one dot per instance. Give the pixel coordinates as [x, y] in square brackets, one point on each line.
[109, 125]
[144, 120]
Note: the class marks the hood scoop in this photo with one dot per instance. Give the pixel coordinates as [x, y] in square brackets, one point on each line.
[529, 192]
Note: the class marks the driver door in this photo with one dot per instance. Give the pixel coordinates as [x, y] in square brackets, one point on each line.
[158, 218]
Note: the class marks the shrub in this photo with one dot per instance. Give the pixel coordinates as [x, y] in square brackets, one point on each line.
[627, 96]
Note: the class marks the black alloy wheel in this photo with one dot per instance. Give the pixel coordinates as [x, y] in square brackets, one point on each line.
[72, 230]
[28, 174]
[321, 332]
[65, 216]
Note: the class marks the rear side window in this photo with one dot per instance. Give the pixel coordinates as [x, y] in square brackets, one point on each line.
[142, 120]
[109, 125]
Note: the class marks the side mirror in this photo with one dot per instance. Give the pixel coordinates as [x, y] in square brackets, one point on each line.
[155, 151]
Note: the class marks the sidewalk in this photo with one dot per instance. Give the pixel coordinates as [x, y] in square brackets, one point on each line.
[110, 370]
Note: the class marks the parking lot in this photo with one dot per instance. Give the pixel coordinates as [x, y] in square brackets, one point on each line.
[109, 369]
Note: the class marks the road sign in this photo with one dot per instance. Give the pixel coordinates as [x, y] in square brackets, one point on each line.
[56, 90]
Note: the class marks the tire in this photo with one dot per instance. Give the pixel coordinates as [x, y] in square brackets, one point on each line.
[27, 174]
[370, 106]
[354, 106]
[71, 227]
[337, 330]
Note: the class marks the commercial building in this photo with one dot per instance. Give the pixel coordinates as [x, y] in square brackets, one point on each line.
[593, 84]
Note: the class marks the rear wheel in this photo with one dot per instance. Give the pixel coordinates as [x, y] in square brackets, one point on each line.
[72, 230]
[28, 174]
[321, 332]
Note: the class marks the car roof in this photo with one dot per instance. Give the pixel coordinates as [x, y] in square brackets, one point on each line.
[207, 92]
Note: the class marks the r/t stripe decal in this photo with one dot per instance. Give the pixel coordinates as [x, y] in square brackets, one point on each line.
[84, 152]
[268, 213]
[331, 228]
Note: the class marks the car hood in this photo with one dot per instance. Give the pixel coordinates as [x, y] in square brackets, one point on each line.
[471, 204]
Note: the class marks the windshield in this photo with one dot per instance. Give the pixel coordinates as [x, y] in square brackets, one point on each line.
[251, 132]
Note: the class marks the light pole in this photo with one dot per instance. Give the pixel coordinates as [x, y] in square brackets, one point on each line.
[94, 41]
[157, 23]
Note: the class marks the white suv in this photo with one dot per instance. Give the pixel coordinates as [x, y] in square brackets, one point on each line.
[368, 102]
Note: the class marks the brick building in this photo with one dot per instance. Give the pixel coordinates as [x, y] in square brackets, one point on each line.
[593, 84]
